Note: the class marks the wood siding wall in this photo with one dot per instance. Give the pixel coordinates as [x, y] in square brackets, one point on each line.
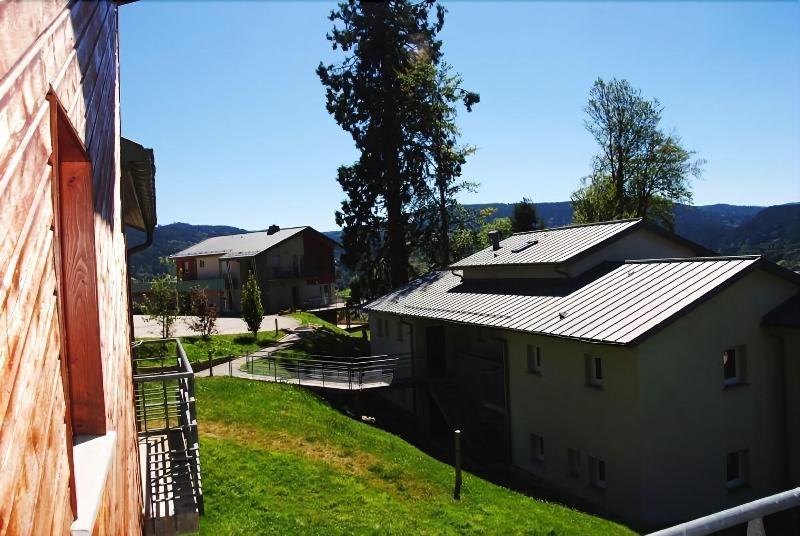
[73, 48]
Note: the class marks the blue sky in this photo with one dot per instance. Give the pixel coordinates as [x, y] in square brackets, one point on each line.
[227, 96]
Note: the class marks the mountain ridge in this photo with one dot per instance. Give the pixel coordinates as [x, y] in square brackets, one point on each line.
[772, 231]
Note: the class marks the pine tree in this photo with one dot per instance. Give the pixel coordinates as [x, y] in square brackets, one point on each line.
[385, 188]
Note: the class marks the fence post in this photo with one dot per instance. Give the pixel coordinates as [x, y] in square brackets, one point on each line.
[276, 327]
[210, 364]
[457, 488]
[230, 367]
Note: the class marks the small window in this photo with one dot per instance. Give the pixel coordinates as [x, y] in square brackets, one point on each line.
[574, 462]
[597, 472]
[594, 371]
[202, 263]
[537, 448]
[185, 266]
[737, 468]
[534, 359]
[399, 331]
[380, 327]
[733, 365]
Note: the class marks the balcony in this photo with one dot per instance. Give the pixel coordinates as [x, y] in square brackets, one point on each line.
[169, 448]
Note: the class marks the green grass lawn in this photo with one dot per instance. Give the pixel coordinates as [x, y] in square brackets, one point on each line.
[314, 320]
[220, 345]
[278, 460]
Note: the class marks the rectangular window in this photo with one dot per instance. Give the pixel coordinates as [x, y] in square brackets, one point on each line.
[733, 365]
[537, 448]
[185, 266]
[594, 371]
[534, 359]
[597, 472]
[202, 263]
[737, 468]
[399, 331]
[380, 327]
[574, 462]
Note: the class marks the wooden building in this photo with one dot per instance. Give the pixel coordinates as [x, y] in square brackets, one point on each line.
[68, 439]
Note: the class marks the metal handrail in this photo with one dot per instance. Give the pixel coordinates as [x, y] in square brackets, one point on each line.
[752, 512]
[166, 413]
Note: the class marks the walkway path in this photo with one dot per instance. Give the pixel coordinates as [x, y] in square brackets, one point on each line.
[225, 325]
[343, 381]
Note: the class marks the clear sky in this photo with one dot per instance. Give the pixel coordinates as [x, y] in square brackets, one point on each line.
[227, 96]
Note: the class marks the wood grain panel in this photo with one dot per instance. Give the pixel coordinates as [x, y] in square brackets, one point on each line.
[79, 298]
[77, 54]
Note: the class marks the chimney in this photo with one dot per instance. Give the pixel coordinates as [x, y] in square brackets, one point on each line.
[494, 236]
[273, 229]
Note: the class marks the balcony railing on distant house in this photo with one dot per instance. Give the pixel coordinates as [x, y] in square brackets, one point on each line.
[183, 285]
[330, 372]
[169, 448]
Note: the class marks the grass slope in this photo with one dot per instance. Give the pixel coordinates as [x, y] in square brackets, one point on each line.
[277, 460]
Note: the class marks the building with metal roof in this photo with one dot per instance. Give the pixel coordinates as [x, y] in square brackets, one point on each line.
[294, 267]
[615, 364]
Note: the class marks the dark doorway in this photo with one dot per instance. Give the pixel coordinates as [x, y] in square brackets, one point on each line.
[435, 351]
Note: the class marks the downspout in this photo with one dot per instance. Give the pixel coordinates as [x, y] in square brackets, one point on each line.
[504, 345]
[413, 359]
[144, 245]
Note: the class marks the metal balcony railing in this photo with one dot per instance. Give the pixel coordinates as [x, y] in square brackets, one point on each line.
[166, 421]
[331, 372]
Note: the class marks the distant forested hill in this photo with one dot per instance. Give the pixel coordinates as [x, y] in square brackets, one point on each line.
[730, 229]
[169, 239]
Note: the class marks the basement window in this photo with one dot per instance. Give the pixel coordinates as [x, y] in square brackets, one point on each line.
[594, 371]
[537, 448]
[597, 473]
[534, 359]
[737, 468]
[733, 366]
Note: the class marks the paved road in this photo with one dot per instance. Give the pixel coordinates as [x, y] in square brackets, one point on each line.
[143, 328]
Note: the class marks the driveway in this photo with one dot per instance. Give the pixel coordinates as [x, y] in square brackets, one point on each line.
[143, 328]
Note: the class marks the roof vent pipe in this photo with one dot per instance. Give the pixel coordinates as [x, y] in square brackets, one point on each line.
[273, 229]
[494, 236]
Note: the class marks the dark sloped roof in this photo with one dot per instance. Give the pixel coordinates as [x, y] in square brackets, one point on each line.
[621, 303]
[786, 314]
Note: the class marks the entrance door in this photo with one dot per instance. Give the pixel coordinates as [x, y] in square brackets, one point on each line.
[435, 351]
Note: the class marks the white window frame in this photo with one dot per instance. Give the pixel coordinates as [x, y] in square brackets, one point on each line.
[537, 448]
[597, 472]
[533, 359]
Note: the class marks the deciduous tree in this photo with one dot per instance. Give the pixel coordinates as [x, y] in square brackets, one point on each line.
[252, 309]
[640, 171]
[161, 303]
[204, 320]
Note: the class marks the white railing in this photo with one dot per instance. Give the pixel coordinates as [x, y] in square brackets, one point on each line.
[751, 513]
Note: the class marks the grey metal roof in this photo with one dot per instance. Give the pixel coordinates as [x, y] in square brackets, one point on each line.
[548, 246]
[619, 303]
[239, 245]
